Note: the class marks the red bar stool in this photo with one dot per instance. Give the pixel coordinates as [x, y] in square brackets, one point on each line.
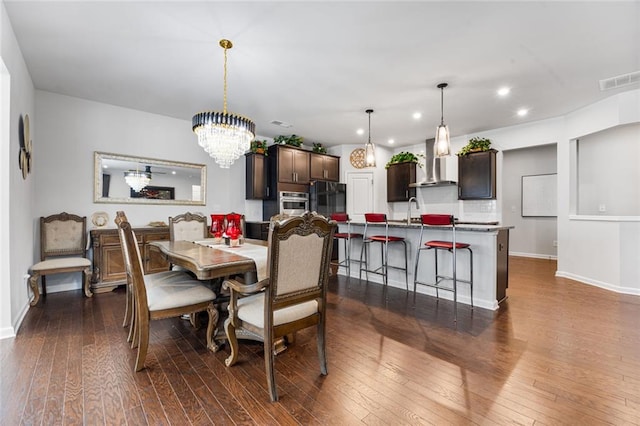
[385, 240]
[443, 220]
[346, 237]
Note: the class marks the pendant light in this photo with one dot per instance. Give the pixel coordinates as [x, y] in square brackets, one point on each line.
[369, 148]
[442, 146]
[224, 136]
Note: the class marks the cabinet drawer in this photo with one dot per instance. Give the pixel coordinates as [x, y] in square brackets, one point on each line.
[109, 240]
[156, 237]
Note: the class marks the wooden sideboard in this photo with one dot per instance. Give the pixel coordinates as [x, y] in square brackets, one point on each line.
[108, 263]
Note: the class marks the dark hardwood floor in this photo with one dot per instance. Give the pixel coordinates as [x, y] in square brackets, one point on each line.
[556, 352]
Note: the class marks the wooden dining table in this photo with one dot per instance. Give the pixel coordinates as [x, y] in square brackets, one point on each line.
[208, 261]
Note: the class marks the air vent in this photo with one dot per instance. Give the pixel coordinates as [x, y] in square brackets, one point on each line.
[281, 123]
[620, 81]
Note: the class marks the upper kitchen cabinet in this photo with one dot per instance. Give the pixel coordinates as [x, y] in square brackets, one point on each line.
[399, 176]
[325, 167]
[477, 176]
[292, 164]
[256, 177]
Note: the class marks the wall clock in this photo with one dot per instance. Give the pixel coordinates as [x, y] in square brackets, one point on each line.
[357, 158]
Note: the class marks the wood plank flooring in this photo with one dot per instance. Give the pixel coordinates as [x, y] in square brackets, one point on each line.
[556, 352]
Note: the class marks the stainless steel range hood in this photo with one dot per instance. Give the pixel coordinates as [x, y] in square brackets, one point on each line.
[435, 169]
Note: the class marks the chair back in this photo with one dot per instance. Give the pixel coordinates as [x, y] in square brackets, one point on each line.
[132, 262]
[375, 218]
[188, 227]
[63, 234]
[437, 220]
[299, 260]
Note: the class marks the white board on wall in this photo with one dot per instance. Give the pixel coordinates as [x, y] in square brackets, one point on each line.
[540, 195]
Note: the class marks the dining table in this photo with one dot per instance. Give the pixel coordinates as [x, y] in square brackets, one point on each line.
[211, 258]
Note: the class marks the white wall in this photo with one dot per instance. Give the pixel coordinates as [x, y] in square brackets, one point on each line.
[16, 210]
[72, 129]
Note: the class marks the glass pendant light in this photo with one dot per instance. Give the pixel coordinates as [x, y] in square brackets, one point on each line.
[442, 146]
[369, 148]
[224, 136]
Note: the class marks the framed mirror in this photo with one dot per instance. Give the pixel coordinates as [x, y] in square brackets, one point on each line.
[161, 181]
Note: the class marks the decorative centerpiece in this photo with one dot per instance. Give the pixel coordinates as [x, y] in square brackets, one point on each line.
[292, 140]
[259, 147]
[475, 145]
[318, 148]
[404, 157]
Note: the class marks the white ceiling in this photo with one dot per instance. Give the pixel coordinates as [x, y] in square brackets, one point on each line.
[319, 65]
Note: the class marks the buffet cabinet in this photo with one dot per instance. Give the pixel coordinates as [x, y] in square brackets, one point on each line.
[108, 262]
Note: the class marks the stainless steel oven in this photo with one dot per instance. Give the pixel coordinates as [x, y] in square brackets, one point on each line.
[293, 203]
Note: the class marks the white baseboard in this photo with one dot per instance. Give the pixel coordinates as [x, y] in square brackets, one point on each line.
[7, 332]
[600, 284]
[533, 255]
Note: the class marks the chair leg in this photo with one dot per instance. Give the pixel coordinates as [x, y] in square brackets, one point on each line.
[43, 281]
[415, 272]
[230, 331]
[143, 343]
[33, 283]
[269, 360]
[86, 275]
[435, 258]
[406, 265]
[322, 354]
[211, 327]
[127, 308]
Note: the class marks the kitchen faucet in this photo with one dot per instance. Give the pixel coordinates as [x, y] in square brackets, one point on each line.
[414, 199]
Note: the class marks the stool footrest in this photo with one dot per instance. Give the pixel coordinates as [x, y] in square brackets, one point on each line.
[448, 278]
[434, 285]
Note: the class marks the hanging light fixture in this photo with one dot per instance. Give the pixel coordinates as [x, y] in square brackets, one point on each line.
[224, 136]
[369, 148]
[442, 146]
[136, 179]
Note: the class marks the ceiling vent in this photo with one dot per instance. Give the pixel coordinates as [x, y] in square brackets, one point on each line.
[620, 81]
[281, 123]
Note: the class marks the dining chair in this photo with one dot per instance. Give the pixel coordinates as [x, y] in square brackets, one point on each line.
[293, 297]
[159, 296]
[63, 249]
[188, 227]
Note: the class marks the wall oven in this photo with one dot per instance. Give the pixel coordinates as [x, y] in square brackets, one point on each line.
[293, 203]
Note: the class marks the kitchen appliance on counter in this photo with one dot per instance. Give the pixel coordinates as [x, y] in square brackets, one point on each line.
[328, 197]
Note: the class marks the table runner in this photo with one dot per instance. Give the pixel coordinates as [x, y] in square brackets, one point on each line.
[255, 252]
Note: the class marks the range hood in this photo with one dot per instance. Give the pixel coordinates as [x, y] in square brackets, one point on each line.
[435, 169]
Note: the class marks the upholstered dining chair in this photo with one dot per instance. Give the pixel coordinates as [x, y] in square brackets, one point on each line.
[294, 295]
[188, 226]
[63, 249]
[158, 296]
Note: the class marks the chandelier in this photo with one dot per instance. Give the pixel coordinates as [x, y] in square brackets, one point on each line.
[369, 148]
[137, 180]
[442, 146]
[224, 136]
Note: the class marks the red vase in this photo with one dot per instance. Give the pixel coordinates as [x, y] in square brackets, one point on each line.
[217, 225]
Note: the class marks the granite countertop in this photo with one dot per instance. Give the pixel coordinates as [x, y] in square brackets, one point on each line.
[462, 226]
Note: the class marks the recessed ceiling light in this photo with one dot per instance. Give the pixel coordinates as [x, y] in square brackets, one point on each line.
[503, 91]
[391, 141]
[417, 115]
[522, 112]
[360, 132]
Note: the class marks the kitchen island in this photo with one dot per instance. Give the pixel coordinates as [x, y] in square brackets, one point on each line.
[489, 242]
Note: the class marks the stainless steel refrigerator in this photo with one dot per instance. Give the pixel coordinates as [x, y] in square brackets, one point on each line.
[328, 197]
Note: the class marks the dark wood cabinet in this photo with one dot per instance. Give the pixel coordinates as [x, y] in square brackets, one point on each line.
[399, 176]
[256, 177]
[502, 264]
[258, 230]
[324, 167]
[477, 176]
[108, 263]
[292, 164]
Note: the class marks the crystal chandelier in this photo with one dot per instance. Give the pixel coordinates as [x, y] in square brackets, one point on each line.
[442, 146]
[369, 148]
[224, 136]
[137, 180]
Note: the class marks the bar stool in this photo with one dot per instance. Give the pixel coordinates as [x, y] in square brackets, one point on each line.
[346, 237]
[447, 221]
[385, 240]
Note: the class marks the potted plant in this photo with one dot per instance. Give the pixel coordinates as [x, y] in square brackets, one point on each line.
[318, 148]
[476, 144]
[292, 140]
[259, 147]
[404, 157]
